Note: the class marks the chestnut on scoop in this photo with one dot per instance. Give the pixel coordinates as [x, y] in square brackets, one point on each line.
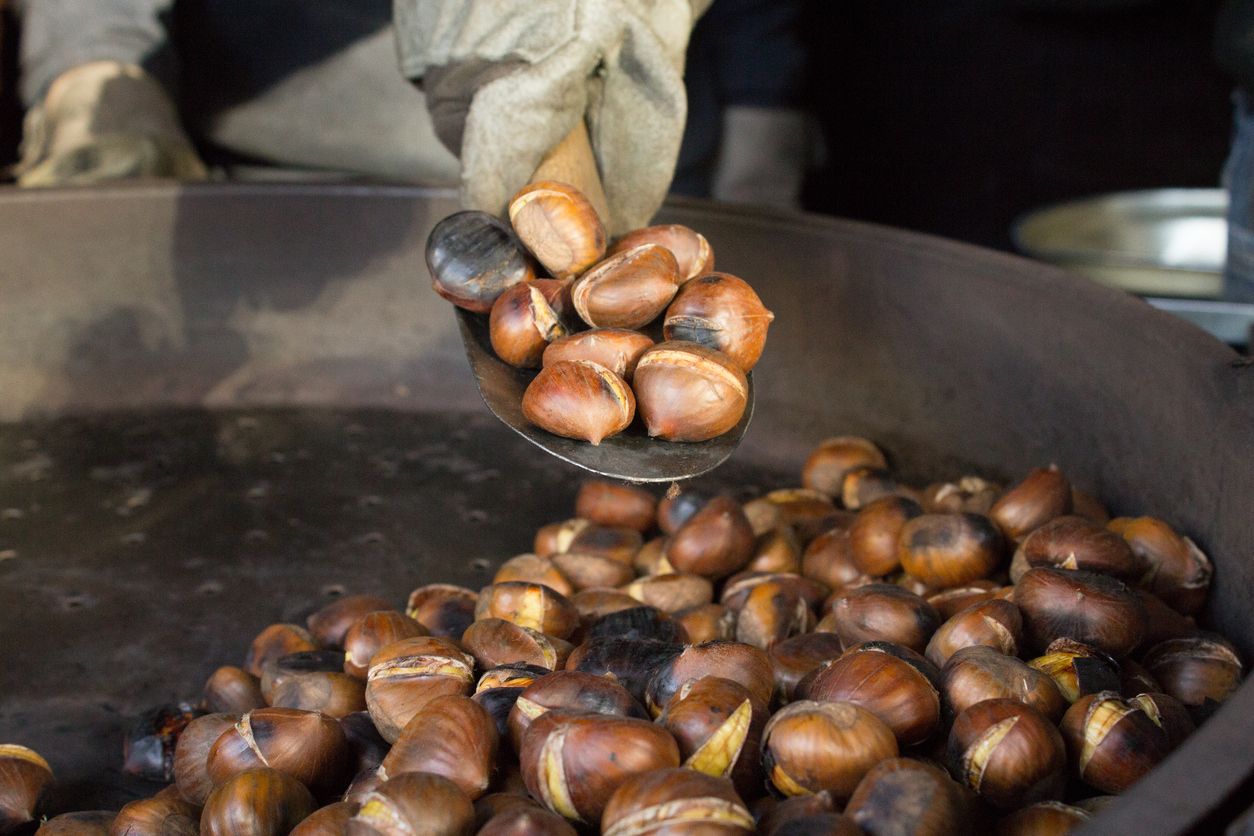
[580, 400]
[687, 392]
[723, 312]
[473, 258]
[618, 349]
[525, 319]
[627, 290]
[692, 252]
[559, 226]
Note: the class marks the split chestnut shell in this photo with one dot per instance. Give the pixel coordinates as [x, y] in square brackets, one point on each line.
[687, 392]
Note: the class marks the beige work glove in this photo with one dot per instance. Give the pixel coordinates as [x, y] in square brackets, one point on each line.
[506, 80]
[104, 121]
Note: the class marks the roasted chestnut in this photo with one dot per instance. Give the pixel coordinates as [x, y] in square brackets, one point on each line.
[531, 605]
[613, 504]
[1112, 744]
[408, 674]
[413, 803]
[1200, 672]
[970, 494]
[574, 690]
[796, 657]
[445, 609]
[1162, 622]
[579, 400]
[1044, 818]
[1007, 752]
[715, 541]
[276, 641]
[333, 694]
[1168, 713]
[276, 671]
[979, 673]
[327, 821]
[525, 319]
[719, 730]
[1077, 669]
[828, 559]
[1178, 572]
[592, 571]
[191, 755]
[473, 258]
[993, 623]
[738, 588]
[1095, 609]
[1071, 542]
[526, 820]
[811, 746]
[452, 736]
[494, 641]
[627, 290]
[366, 746]
[24, 775]
[736, 661]
[677, 506]
[594, 603]
[720, 311]
[950, 602]
[874, 533]
[617, 349]
[232, 690]
[148, 748]
[574, 762]
[559, 226]
[613, 541]
[82, 823]
[531, 568]
[707, 622]
[777, 550]
[687, 392]
[825, 468]
[892, 683]
[261, 801]
[164, 814]
[692, 252]
[372, 631]
[948, 550]
[678, 801]
[884, 612]
[329, 624]
[304, 744]
[863, 485]
[901, 795]
[1041, 495]
[772, 612]
[671, 592]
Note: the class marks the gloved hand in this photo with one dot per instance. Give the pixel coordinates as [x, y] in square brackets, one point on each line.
[105, 121]
[506, 80]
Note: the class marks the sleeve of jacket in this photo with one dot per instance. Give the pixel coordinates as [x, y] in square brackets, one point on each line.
[505, 80]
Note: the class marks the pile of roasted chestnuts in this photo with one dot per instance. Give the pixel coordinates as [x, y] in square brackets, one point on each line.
[853, 656]
[643, 326]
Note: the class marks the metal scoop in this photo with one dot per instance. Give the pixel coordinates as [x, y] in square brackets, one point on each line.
[630, 455]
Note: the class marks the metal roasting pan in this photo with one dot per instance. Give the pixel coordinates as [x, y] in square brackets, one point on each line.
[220, 405]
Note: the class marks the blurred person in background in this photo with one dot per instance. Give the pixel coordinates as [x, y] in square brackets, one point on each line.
[1235, 50]
[120, 89]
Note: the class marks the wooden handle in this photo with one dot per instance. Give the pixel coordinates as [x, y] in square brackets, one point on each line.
[571, 161]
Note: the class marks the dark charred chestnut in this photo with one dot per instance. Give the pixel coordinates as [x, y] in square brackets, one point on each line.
[885, 680]
[474, 258]
[949, 550]
[812, 746]
[741, 663]
[366, 746]
[573, 763]
[692, 252]
[262, 801]
[1009, 753]
[1112, 744]
[452, 736]
[24, 775]
[304, 744]
[232, 690]
[883, 612]
[530, 605]
[978, 673]
[1077, 669]
[411, 803]
[408, 674]
[1071, 542]
[994, 623]
[627, 290]
[525, 319]
[638, 623]
[1094, 609]
[1042, 495]
[902, 795]
[874, 533]
[687, 392]
[632, 663]
[1178, 572]
[579, 400]
[329, 624]
[148, 748]
[574, 690]
[371, 632]
[825, 468]
[718, 729]
[274, 642]
[720, 311]
[617, 349]
[675, 800]
[494, 641]
[1200, 672]
[559, 226]
[444, 609]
